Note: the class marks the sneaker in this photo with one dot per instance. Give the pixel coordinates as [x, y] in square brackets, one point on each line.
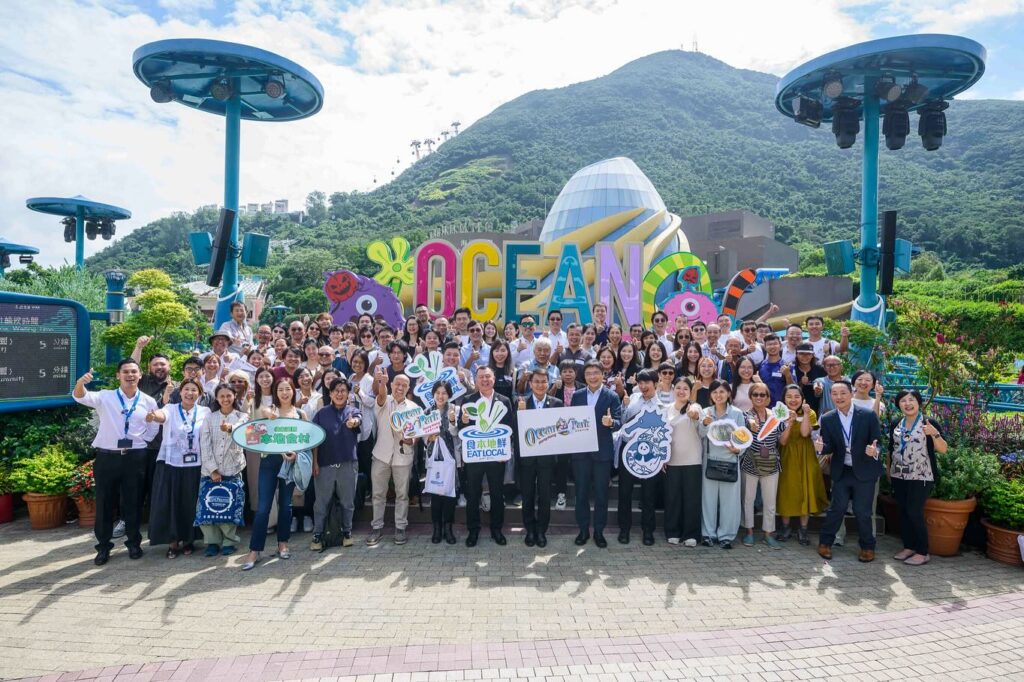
[317, 544]
[211, 550]
[119, 530]
[295, 525]
[689, 542]
[227, 550]
[673, 541]
[707, 542]
[772, 542]
[485, 503]
[518, 501]
[784, 534]
[726, 544]
[838, 542]
[801, 537]
[400, 538]
[373, 538]
[560, 502]
[462, 501]
[307, 525]
[346, 540]
[748, 540]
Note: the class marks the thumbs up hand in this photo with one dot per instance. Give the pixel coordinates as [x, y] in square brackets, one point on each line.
[607, 419]
[872, 450]
[522, 403]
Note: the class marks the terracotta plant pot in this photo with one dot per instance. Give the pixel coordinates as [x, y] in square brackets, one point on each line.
[891, 513]
[45, 511]
[86, 512]
[1002, 545]
[6, 508]
[946, 521]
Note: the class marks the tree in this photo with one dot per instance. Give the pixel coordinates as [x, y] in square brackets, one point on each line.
[316, 207]
[150, 278]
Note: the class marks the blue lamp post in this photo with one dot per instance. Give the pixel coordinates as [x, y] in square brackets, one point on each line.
[240, 83]
[891, 78]
[78, 210]
[8, 249]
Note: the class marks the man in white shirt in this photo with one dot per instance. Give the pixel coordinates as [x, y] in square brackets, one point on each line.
[120, 466]
[794, 336]
[523, 350]
[476, 353]
[392, 457]
[659, 321]
[554, 334]
[823, 346]
[265, 344]
[237, 329]
[541, 360]
[713, 348]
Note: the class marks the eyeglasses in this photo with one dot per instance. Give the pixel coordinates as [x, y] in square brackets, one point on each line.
[554, 319]
[476, 330]
[666, 372]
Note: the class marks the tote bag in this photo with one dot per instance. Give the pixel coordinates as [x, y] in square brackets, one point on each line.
[442, 471]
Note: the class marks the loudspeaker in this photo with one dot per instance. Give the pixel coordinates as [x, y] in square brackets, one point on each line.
[221, 246]
[887, 256]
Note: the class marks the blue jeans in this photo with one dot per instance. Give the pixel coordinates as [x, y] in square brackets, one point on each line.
[863, 494]
[269, 483]
[591, 476]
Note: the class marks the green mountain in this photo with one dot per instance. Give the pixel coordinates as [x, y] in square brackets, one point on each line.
[709, 138]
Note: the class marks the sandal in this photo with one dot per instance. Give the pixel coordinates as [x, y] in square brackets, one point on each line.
[904, 555]
[172, 553]
[918, 560]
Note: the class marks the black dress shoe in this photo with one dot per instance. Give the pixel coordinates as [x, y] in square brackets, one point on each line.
[134, 552]
[648, 539]
[531, 539]
[600, 541]
[623, 537]
[581, 539]
[472, 537]
[498, 537]
[102, 557]
[449, 534]
[542, 540]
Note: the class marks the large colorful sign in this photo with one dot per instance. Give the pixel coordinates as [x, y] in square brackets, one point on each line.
[556, 431]
[648, 443]
[278, 436]
[488, 440]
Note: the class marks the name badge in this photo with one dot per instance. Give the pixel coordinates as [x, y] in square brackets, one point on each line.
[124, 443]
[190, 458]
[777, 375]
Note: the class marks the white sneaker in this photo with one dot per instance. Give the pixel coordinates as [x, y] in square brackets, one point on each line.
[295, 525]
[560, 502]
[673, 541]
[485, 503]
[689, 542]
[119, 530]
[307, 525]
[462, 500]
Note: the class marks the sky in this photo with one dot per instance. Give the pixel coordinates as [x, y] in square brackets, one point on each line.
[77, 121]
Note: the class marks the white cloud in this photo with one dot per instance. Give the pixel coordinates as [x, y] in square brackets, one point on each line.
[415, 66]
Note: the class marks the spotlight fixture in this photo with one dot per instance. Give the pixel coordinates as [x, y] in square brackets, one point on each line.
[833, 86]
[808, 112]
[895, 126]
[161, 92]
[931, 124]
[107, 229]
[915, 92]
[25, 258]
[221, 89]
[92, 229]
[845, 122]
[274, 87]
[888, 89]
[69, 229]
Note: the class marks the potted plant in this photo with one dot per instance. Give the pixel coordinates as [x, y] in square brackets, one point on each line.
[1003, 503]
[6, 496]
[964, 474]
[44, 480]
[83, 492]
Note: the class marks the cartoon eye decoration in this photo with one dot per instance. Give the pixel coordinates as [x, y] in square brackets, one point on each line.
[366, 304]
[690, 307]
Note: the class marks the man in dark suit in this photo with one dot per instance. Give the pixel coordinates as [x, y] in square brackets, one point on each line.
[593, 470]
[849, 435]
[494, 471]
[535, 473]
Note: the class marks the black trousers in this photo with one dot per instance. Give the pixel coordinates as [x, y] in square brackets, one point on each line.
[682, 502]
[495, 473]
[911, 496]
[535, 474]
[442, 509]
[561, 474]
[119, 478]
[648, 499]
[849, 488]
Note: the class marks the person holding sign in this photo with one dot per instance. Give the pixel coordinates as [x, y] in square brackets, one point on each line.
[720, 491]
[535, 473]
[443, 462]
[493, 470]
[392, 456]
[593, 470]
[335, 464]
[120, 466]
[849, 438]
[645, 399]
[172, 509]
[222, 464]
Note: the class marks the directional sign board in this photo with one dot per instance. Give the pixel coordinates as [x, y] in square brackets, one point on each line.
[44, 348]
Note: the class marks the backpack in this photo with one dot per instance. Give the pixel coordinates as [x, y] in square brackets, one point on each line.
[332, 534]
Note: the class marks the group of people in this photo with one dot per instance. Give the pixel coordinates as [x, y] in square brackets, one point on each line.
[161, 441]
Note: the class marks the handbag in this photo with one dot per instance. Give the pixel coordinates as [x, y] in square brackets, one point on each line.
[722, 470]
[441, 471]
[222, 502]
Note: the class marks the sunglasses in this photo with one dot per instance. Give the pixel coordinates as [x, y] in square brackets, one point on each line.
[758, 395]
[554, 319]
[325, 355]
[668, 372]
[529, 324]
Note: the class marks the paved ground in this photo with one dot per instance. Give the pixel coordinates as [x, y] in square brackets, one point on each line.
[502, 612]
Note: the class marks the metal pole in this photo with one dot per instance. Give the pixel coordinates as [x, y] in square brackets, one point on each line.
[868, 306]
[229, 286]
[80, 238]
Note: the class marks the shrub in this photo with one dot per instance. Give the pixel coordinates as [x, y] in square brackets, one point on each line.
[1004, 504]
[48, 473]
[965, 473]
[6, 485]
[25, 434]
[83, 482]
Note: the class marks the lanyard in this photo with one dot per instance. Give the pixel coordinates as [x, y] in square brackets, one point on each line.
[127, 412]
[847, 435]
[905, 433]
[192, 427]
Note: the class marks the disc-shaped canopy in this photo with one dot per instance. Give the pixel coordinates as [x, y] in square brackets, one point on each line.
[69, 207]
[13, 249]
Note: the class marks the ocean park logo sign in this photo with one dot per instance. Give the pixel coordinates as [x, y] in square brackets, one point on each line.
[488, 440]
[556, 431]
[648, 443]
[427, 368]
